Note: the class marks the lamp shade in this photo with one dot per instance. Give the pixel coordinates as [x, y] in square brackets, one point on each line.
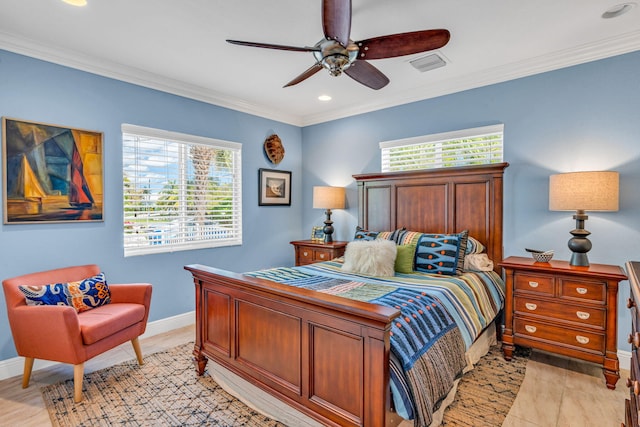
[587, 191]
[328, 197]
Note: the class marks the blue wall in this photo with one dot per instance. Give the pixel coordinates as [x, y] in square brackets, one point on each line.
[585, 117]
[579, 118]
[39, 91]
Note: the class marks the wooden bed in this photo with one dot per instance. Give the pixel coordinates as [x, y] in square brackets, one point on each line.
[325, 355]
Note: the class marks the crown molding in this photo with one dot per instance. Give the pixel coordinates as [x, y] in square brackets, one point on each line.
[613, 46]
[136, 76]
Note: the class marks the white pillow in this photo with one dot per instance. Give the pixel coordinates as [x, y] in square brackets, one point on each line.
[370, 257]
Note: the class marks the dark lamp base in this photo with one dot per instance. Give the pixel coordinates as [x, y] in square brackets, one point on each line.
[328, 228]
[579, 244]
[579, 260]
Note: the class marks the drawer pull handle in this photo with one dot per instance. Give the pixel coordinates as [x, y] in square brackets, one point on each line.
[321, 256]
[581, 291]
[530, 306]
[582, 340]
[583, 315]
[530, 329]
[533, 284]
[305, 253]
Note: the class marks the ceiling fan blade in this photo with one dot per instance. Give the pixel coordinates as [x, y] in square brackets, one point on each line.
[367, 74]
[402, 44]
[308, 73]
[274, 46]
[336, 20]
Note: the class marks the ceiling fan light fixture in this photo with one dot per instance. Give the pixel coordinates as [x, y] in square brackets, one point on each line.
[335, 63]
[618, 10]
[429, 62]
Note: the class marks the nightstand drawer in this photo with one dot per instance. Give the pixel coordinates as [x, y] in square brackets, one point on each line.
[310, 251]
[322, 255]
[534, 283]
[581, 315]
[582, 340]
[305, 255]
[583, 290]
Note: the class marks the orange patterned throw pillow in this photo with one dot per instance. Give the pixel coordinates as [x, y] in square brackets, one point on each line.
[82, 295]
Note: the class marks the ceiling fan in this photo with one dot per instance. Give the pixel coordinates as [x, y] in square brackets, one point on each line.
[338, 53]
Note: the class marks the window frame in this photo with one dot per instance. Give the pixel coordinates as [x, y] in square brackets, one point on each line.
[437, 141]
[208, 235]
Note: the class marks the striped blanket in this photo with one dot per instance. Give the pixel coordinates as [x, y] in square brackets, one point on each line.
[440, 318]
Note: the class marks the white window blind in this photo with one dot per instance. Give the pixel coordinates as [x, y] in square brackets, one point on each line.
[475, 146]
[180, 191]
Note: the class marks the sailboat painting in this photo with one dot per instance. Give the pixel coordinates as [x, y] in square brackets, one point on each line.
[51, 173]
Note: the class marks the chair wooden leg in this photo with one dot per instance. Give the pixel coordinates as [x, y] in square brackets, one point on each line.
[26, 375]
[78, 375]
[136, 348]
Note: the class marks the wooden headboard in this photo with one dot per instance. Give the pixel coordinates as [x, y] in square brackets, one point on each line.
[446, 200]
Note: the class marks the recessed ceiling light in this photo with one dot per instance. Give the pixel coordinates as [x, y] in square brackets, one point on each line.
[76, 2]
[617, 10]
[324, 98]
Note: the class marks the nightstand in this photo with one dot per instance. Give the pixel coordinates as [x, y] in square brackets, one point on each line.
[563, 309]
[310, 251]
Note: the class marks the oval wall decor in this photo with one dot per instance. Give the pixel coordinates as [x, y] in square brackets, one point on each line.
[274, 149]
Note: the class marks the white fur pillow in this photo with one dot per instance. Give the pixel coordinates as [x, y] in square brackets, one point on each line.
[370, 257]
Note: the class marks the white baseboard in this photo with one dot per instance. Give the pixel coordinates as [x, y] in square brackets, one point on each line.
[169, 323]
[14, 366]
[624, 359]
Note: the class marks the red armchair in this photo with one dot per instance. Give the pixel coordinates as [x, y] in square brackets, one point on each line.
[60, 333]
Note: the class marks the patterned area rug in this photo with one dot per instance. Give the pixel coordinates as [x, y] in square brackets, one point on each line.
[485, 394]
[165, 391]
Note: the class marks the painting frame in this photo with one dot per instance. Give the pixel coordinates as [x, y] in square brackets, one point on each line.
[317, 234]
[274, 187]
[51, 173]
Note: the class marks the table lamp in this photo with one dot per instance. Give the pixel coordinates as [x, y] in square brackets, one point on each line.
[583, 191]
[328, 198]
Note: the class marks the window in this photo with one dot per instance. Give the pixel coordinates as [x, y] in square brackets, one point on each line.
[180, 191]
[475, 146]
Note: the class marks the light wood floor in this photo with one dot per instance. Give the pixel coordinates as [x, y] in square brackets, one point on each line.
[556, 392]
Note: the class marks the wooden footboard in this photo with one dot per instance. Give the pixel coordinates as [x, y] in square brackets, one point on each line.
[324, 355]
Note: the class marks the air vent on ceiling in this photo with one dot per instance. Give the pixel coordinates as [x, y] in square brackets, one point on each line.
[429, 62]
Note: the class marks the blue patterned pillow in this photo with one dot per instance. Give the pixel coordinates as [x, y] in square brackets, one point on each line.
[362, 234]
[391, 235]
[408, 237]
[82, 295]
[441, 253]
[474, 246]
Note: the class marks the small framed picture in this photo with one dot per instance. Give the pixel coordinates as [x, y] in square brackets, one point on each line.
[274, 188]
[317, 235]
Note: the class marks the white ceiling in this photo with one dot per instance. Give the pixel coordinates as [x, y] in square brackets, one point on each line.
[179, 46]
